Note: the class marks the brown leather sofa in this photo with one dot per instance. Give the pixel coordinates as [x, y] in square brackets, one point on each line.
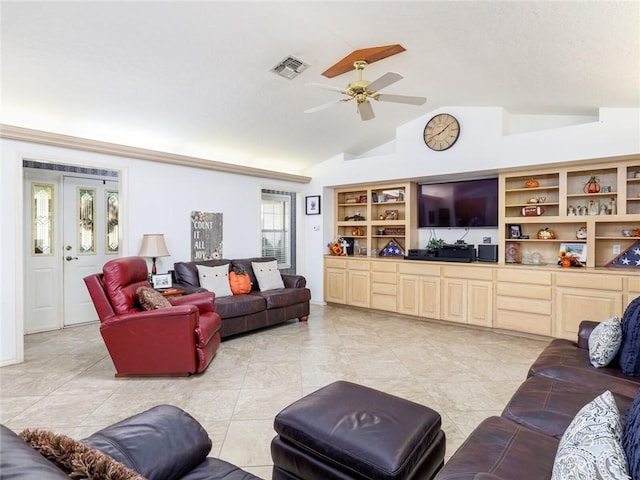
[243, 313]
[522, 442]
[161, 443]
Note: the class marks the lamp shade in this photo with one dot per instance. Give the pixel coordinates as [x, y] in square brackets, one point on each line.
[153, 246]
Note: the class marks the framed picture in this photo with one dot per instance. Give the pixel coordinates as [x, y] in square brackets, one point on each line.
[515, 231]
[374, 197]
[362, 199]
[162, 280]
[512, 252]
[578, 250]
[391, 215]
[312, 205]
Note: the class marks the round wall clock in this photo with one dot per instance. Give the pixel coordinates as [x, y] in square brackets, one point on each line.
[441, 132]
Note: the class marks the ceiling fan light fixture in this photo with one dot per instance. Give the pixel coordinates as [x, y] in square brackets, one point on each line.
[290, 67]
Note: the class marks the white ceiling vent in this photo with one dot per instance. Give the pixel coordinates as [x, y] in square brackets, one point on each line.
[290, 67]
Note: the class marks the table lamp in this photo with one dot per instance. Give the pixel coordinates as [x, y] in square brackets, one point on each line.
[153, 246]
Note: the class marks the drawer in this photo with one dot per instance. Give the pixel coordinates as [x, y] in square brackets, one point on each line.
[523, 322]
[518, 290]
[384, 267]
[595, 282]
[383, 289]
[530, 277]
[384, 302]
[383, 277]
[420, 268]
[473, 273]
[335, 262]
[541, 307]
[358, 265]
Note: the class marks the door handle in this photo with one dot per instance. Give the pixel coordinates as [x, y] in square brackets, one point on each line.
[68, 258]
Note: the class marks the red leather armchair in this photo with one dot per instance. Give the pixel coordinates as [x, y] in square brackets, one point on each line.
[180, 340]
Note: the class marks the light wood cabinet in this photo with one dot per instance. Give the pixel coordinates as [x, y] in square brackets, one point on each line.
[384, 288]
[524, 300]
[358, 288]
[335, 280]
[373, 215]
[585, 297]
[564, 206]
[467, 295]
[419, 289]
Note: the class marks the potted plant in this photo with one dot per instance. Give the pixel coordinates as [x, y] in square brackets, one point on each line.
[433, 245]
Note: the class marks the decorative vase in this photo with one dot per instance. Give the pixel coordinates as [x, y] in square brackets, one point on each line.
[592, 186]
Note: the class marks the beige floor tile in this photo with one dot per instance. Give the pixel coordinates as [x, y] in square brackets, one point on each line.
[67, 383]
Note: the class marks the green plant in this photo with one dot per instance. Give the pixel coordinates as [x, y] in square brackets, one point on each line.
[434, 243]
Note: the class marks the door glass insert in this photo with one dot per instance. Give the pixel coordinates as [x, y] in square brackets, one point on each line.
[42, 219]
[113, 237]
[86, 227]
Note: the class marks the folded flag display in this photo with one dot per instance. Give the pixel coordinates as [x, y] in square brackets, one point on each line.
[392, 249]
[629, 258]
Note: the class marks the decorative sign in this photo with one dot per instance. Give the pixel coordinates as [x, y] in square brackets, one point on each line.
[206, 236]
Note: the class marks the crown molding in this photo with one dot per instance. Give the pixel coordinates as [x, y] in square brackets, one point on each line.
[66, 141]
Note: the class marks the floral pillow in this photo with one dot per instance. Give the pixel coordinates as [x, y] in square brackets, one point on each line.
[591, 446]
[151, 299]
[604, 342]
[76, 459]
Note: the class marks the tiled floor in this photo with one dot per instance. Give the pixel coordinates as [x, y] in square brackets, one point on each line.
[67, 385]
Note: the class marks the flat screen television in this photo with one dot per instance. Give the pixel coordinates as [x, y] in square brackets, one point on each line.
[461, 204]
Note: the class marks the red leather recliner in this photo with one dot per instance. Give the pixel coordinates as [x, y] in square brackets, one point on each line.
[180, 340]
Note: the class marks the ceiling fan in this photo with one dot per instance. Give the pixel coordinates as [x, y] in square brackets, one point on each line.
[362, 90]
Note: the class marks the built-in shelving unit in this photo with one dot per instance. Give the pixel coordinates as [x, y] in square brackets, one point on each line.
[558, 200]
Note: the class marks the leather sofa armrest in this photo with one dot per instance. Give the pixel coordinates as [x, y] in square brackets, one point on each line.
[187, 288]
[163, 442]
[584, 330]
[294, 281]
[204, 301]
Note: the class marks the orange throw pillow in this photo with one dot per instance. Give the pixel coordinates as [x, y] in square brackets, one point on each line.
[239, 283]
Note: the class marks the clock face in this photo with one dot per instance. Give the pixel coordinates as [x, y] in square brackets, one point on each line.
[441, 132]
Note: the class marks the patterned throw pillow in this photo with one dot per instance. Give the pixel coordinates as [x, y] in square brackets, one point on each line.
[76, 459]
[630, 348]
[591, 446]
[215, 279]
[151, 299]
[604, 342]
[268, 275]
[631, 437]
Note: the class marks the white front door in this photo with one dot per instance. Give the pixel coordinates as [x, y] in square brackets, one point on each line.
[71, 229]
[90, 239]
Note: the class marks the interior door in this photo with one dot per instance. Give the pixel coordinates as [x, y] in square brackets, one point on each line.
[90, 239]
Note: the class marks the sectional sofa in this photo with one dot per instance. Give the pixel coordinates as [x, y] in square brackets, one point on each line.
[524, 441]
[257, 309]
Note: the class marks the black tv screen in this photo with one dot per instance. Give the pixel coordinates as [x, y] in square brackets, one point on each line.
[465, 204]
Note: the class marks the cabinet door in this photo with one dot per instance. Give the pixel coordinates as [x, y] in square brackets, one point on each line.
[429, 292]
[480, 303]
[454, 300]
[335, 286]
[358, 288]
[575, 305]
[409, 299]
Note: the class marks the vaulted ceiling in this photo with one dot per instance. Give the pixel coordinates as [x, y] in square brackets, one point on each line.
[195, 78]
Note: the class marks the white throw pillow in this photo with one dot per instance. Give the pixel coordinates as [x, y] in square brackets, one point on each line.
[591, 446]
[604, 342]
[268, 275]
[215, 279]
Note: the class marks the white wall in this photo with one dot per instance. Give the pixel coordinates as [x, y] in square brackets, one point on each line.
[160, 197]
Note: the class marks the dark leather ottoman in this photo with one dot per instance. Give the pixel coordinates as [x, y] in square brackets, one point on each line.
[347, 431]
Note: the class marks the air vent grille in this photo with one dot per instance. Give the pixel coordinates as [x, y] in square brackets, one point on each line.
[290, 67]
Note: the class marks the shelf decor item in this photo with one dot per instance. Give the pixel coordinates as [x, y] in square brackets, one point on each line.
[337, 247]
[546, 234]
[592, 185]
[629, 258]
[392, 249]
[531, 183]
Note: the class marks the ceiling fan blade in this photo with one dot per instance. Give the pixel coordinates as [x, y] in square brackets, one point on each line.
[327, 87]
[384, 81]
[326, 105]
[400, 99]
[366, 110]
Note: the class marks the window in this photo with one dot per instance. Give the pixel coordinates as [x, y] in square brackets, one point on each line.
[278, 228]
